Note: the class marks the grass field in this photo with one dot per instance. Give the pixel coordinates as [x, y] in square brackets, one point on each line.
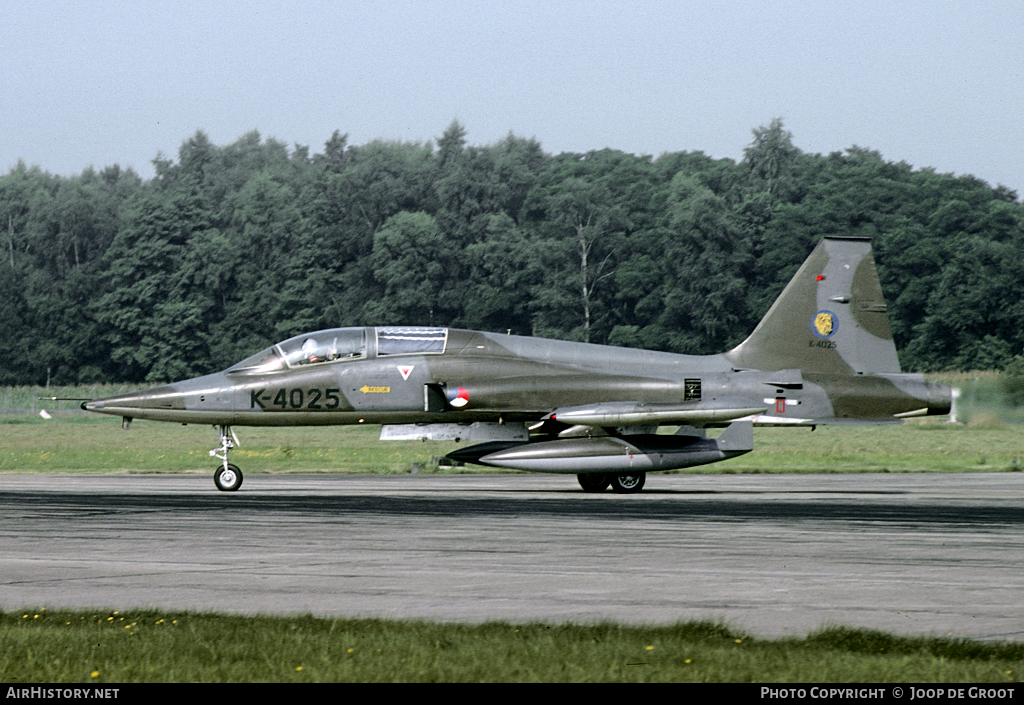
[81, 443]
[145, 646]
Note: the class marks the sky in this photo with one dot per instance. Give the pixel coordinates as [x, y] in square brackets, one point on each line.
[934, 84]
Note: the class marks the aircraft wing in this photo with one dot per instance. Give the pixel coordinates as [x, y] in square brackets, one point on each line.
[585, 420]
[637, 413]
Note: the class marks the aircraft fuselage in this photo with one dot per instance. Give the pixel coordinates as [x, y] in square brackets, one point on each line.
[514, 379]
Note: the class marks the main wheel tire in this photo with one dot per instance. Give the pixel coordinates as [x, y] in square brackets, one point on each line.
[228, 479]
[594, 481]
[628, 483]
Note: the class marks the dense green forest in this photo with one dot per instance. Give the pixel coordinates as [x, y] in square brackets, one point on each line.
[107, 277]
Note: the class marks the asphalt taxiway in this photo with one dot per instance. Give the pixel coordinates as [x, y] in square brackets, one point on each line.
[772, 555]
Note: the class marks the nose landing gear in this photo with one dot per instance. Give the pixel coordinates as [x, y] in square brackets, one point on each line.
[228, 477]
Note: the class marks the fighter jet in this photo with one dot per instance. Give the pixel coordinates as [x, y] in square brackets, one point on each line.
[823, 354]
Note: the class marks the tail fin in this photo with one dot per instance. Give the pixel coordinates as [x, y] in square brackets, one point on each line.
[829, 319]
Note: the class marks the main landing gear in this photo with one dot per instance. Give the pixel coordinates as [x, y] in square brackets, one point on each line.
[228, 477]
[623, 483]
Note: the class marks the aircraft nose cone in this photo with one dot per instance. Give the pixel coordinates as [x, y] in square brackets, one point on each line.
[138, 404]
[202, 399]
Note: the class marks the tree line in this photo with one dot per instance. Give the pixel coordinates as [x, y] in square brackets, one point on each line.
[227, 249]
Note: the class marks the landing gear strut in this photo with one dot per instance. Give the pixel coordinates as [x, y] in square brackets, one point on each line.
[228, 477]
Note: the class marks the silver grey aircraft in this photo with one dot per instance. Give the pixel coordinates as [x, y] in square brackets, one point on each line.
[822, 354]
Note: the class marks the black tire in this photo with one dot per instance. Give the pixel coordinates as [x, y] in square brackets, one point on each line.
[594, 481]
[228, 479]
[628, 483]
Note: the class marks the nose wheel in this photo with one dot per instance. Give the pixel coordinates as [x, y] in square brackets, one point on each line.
[228, 477]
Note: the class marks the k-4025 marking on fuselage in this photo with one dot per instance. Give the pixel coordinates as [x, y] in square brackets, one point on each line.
[296, 398]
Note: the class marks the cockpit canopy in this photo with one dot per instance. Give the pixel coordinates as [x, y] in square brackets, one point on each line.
[338, 344]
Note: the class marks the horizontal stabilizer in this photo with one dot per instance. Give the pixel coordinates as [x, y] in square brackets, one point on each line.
[781, 421]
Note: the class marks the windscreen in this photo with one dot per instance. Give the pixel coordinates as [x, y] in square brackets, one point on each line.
[263, 362]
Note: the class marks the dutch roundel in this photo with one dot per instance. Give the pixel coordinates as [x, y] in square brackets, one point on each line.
[458, 397]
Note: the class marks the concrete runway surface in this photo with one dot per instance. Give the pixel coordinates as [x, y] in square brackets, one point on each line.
[771, 555]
